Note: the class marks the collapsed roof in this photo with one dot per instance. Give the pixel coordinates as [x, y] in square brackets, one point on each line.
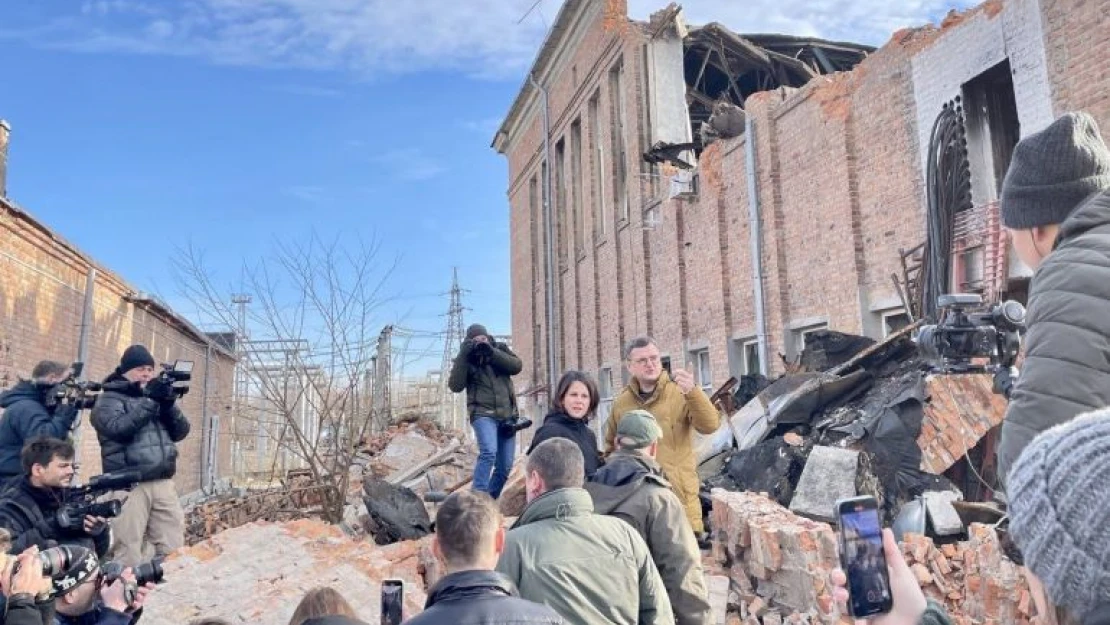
[723, 68]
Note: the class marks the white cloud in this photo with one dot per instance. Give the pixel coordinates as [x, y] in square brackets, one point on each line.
[409, 164]
[368, 37]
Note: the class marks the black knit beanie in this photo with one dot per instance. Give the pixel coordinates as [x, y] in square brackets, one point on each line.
[475, 331]
[134, 357]
[1053, 171]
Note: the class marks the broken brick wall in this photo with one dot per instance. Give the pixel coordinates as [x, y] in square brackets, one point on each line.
[42, 286]
[840, 180]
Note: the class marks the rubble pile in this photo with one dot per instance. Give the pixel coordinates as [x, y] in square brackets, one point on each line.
[973, 579]
[298, 500]
[871, 420]
[778, 564]
[398, 475]
[257, 573]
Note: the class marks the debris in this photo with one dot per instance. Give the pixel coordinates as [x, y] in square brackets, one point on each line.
[829, 475]
[961, 410]
[718, 598]
[771, 467]
[943, 516]
[258, 572]
[827, 349]
[513, 499]
[403, 475]
[397, 512]
[793, 439]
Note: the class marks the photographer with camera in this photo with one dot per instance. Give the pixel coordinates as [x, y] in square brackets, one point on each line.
[30, 509]
[33, 408]
[139, 425]
[22, 582]
[1056, 206]
[102, 596]
[484, 369]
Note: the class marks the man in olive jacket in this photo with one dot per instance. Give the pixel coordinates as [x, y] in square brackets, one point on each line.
[1056, 206]
[632, 488]
[591, 569]
[484, 369]
[680, 407]
[139, 425]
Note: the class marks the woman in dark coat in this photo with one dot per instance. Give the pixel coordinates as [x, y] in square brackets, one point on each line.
[575, 404]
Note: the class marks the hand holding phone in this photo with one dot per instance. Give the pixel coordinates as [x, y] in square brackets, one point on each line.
[863, 557]
[393, 601]
[907, 600]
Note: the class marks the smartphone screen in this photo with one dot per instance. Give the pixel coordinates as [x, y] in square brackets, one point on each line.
[862, 557]
[393, 600]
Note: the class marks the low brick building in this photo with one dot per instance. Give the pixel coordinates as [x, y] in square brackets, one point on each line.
[845, 177]
[43, 283]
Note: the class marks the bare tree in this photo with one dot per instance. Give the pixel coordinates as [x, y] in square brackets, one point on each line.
[314, 323]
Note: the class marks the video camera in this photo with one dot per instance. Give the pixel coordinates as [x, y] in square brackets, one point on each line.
[968, 334]
[178, 376]
[71, 515]
[74, 391]
[145, 573]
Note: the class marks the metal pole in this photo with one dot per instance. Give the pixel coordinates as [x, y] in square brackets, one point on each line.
[756, 230]
[86, 317]
[83, 351]
[549, 235]
[207, 478]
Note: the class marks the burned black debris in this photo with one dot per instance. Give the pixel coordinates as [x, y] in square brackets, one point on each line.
[869, 417]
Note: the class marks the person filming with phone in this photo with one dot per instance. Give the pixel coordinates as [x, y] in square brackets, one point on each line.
[139, 425]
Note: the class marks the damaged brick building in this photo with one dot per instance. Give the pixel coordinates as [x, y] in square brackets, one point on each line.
[629, 216]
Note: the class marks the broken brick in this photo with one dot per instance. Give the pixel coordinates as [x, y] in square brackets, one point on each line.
[924, 577]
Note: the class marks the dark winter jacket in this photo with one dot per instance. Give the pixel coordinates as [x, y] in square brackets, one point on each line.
[559, 425]
[632, 488]
[99, 615]
[23, 610]
[136, 432]
[486, 379]
[1067, 346]
[25, 417]
[480, 598]
[30, 515]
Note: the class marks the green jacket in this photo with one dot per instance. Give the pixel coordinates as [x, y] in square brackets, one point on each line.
[487, 380]
[591, 569]
[632, 488]
[1066, 371]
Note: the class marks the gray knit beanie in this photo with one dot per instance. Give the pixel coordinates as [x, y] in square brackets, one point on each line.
[1053, 171]
[1059, 493]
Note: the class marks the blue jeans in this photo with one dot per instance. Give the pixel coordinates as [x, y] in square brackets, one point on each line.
[495, 455]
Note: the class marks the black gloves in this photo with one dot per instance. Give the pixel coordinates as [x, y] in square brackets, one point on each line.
[159, 391]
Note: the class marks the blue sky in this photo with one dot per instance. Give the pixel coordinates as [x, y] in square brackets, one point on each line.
[140, 126]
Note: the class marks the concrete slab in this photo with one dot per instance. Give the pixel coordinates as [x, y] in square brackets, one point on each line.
[829, 475]
[943, 515]
[718, 598]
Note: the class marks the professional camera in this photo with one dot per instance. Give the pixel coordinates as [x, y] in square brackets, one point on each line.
[514, 424]
[54, 561]
[967, 334]
[178, 376]
[482, 349]
[146, 573]
[80, 393]
[80, 501]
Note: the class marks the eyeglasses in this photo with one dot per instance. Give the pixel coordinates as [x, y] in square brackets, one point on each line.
[640, 362]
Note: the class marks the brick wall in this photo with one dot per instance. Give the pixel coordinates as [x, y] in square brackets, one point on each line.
[839, 175]
[1076, 37]
[42, 294]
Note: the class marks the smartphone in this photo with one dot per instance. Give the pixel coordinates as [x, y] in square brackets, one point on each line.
[393, 601]
[862, 557]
